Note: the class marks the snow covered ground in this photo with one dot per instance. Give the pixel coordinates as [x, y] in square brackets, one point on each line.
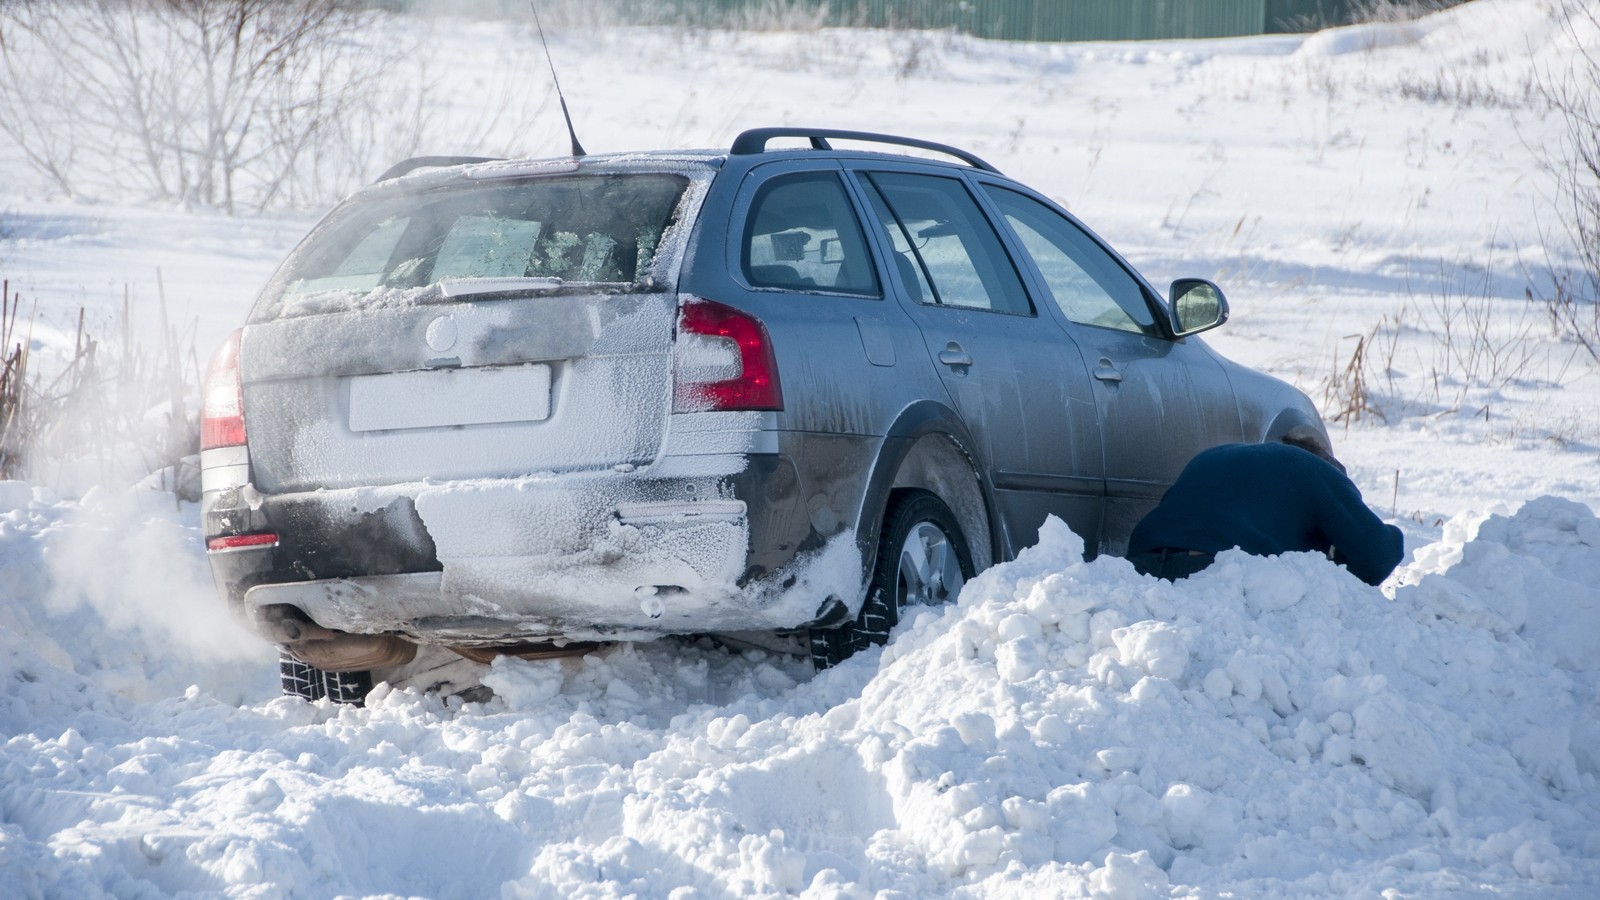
[1266, 728]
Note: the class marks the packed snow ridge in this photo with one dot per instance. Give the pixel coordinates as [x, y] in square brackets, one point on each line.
[1266, 727]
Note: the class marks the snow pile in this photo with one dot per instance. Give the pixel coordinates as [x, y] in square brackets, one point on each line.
[1268, 726]
[1258, 727]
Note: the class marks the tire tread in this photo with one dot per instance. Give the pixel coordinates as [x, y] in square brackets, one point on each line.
[311, 684]
[880, 613]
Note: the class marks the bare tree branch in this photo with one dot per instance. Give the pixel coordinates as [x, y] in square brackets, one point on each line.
[215, 103]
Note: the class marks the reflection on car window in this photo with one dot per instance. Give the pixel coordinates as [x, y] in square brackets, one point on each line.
[364, 267]
[945, 249]
[802, 234]
[1086, 282]
[486, 246]
[603, 229]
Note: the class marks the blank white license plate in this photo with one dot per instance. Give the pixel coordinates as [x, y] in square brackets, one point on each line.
[444, 397]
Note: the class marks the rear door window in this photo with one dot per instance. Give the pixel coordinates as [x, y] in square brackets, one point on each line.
[803, 234]
[945, 248]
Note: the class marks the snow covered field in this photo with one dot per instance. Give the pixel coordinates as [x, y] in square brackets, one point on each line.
[1266, 728]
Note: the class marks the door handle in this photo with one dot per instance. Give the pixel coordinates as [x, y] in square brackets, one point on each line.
[1105, 371]
[953, 356]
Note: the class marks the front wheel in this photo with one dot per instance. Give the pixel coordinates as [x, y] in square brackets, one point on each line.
[923, 558]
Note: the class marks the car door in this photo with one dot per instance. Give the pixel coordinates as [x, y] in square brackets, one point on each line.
[1017, 379]
[1161, 400]
[794, 254]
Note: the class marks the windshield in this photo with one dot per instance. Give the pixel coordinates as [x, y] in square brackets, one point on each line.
[538, 234]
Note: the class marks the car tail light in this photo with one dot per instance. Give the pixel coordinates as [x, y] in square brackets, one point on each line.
[723, 360]
[242, 541]
[222, 406]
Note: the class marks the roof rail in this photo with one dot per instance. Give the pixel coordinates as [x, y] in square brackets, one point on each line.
[755, 141]
[430, 162]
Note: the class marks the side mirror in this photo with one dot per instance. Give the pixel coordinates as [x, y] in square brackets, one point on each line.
[1197, 305]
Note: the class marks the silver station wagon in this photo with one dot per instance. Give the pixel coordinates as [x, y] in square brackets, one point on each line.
[772, 393]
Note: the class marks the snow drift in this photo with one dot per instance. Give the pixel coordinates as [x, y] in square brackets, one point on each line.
[1268, 726]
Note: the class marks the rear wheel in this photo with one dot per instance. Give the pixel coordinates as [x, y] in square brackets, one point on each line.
[311, 683]
[923, 558]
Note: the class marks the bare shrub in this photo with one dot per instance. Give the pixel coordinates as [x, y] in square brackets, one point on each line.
[1390, 11]
[1475, 346]
[1467, 87]
[219, 103]
[1477, 343]
[14, 410]
[1573, 299]
[778, 15]
[563, 14]
[752, 15]
[1345, 395]
[106, 413]
[1572, 307]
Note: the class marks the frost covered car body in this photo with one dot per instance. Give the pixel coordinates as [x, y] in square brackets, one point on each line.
[510, 405]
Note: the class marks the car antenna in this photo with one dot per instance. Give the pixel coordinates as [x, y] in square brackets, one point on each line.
[577, 148]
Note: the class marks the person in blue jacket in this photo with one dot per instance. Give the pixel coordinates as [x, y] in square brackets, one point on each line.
[1264, 499]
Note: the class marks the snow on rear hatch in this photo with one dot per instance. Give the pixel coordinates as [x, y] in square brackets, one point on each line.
[468, 331]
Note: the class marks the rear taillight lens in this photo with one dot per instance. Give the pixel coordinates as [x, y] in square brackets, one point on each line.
[242, 541]
[222, 406]
[723, 360]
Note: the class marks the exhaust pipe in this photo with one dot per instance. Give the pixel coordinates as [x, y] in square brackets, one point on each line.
[329, 650]
[354, 652]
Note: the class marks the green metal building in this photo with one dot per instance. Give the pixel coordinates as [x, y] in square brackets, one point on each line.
[1014, 20]
[1083, 20]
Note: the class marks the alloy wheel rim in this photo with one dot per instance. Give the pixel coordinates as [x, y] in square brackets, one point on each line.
[930, 573]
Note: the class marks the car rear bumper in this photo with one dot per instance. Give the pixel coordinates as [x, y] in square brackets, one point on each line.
[576, 557]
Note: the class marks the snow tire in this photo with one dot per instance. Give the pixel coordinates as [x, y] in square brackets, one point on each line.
[311, 683]
[923, 558]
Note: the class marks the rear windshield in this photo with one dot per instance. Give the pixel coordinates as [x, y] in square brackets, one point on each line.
[553, 233]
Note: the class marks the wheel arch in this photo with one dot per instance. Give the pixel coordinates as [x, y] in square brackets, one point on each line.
[1299, 421]
[929, 448]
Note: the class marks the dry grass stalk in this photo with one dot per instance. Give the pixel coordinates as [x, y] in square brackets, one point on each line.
[128, 413]
[1346, 395]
